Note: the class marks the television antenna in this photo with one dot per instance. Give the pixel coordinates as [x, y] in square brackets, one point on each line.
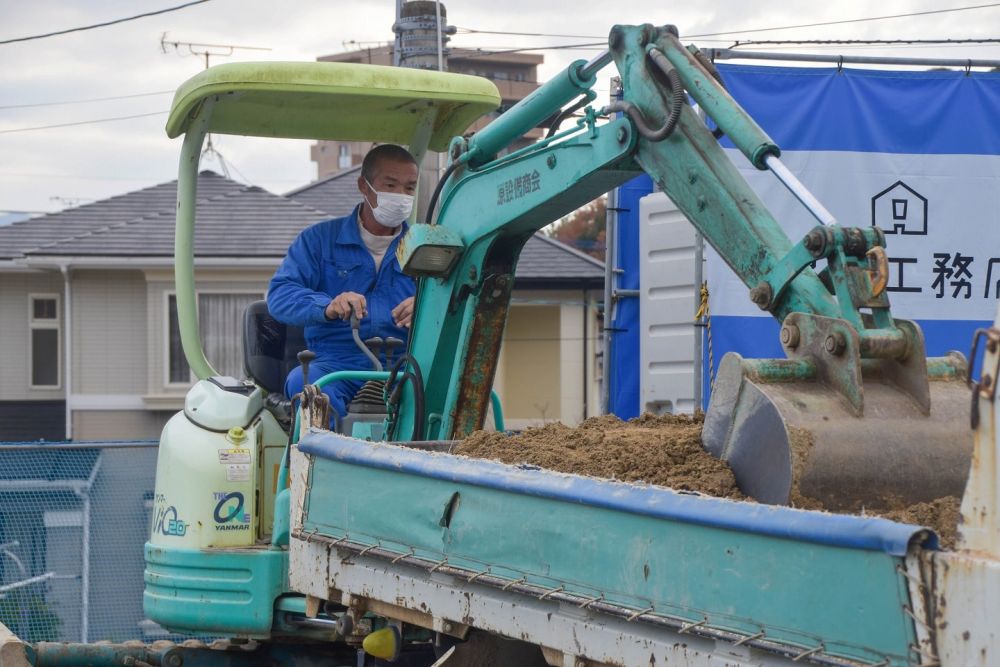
[207, 51]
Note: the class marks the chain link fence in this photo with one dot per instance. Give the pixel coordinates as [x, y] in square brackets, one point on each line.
[73, 521]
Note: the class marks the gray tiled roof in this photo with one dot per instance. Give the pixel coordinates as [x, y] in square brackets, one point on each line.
[19, 237]
[244, 222]
[546, 260]
[236, 220]
[336, 194]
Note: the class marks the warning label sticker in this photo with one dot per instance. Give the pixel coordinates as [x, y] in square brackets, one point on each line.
[238, 472]
[227, 456]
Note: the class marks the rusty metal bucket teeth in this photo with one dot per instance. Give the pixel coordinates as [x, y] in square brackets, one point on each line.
[793, 440]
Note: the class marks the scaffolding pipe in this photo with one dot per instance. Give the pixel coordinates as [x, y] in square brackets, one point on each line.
[610, 233]
[67, 349]
[736, 54]
[78, 445]
[26, 582]
[84, 495]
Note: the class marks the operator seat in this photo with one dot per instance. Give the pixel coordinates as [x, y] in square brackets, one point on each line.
[269, 347]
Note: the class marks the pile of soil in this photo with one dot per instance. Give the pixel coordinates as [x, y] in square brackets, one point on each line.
[942, 515]
[666, 451]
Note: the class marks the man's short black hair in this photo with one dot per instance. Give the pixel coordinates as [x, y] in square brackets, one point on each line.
[384, 152]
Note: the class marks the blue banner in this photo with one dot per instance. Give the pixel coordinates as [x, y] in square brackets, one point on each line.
[915, 153]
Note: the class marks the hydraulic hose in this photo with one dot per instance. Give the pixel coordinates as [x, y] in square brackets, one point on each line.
[437, 192]
[710, 67]
[565, 113]
[677, 102]
[416, 378]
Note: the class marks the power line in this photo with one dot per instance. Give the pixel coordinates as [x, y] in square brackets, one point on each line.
[726, 32]
[525, 34]
[92, 99]
[850, 47]
[867, 42]
[730, 32]
[82, 122]
[101, 25]
[860, 45]
[478, 53]
[843, 21]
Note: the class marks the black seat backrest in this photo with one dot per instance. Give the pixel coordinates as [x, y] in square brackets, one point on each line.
[269, 347]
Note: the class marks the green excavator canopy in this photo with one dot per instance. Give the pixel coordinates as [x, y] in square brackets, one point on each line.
[335, 101]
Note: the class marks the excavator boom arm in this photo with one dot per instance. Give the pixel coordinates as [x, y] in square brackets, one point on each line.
[490, 206]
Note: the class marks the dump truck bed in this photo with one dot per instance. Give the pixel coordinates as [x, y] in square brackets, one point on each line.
[596, 569]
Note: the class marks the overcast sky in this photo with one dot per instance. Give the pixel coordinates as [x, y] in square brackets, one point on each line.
[48, 169]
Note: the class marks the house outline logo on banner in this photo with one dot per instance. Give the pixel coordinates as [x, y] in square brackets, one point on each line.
[894, 213]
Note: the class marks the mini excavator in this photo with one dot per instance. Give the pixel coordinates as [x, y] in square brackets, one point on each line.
[306, 545]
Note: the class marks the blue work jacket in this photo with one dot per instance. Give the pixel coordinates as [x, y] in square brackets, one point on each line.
[326, 259]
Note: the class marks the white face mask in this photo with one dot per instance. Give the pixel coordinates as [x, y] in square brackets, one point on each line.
[392, 208]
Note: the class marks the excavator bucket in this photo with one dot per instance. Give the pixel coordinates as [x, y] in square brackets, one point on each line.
[795, 434]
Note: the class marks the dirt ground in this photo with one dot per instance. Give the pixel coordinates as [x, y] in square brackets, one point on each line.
[666, 451]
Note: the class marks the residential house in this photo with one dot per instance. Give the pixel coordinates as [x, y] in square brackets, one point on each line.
[90, 344]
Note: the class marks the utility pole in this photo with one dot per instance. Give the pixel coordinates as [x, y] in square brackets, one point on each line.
[421, 35]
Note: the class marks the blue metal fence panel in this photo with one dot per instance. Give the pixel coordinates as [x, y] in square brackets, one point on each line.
[623, 363]
[73, 521]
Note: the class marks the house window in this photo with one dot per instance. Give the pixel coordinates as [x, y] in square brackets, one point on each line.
[178, 370]
[220, 323]
[43, 322]
[344, 156]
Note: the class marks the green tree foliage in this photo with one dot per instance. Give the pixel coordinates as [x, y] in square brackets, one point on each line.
[584, 228]
[28, 616]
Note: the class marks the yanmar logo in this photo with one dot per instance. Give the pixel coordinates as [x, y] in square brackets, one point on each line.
[229, 514]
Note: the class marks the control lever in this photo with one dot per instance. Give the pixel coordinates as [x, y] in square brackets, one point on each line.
[375, 344]
[305, 358]
[355, 328]
[391, 345]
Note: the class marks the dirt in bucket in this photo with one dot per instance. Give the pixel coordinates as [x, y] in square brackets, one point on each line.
[667, 451]
[942, 515]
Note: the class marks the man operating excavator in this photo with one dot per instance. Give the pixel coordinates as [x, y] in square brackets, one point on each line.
[347, 265]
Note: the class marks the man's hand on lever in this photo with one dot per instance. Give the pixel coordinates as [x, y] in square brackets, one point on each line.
[340, 306]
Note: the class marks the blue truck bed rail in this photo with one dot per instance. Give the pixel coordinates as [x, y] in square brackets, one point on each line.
[801, 584]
